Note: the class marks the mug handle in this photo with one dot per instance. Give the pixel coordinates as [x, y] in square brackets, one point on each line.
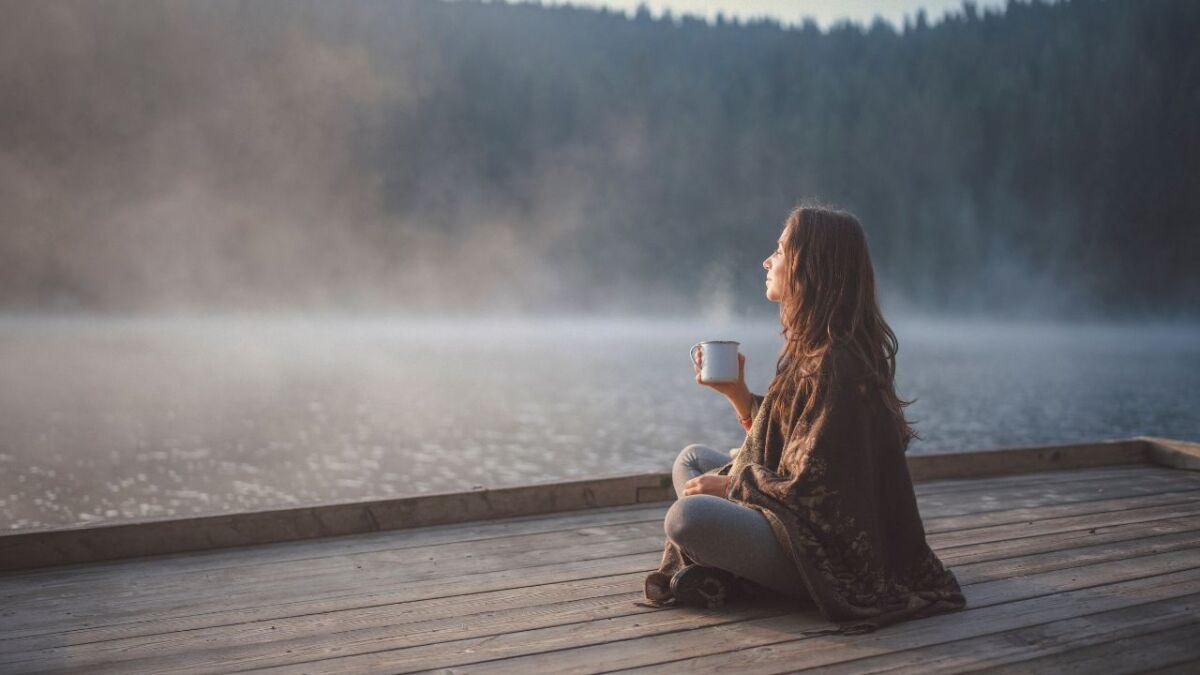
[692, 353]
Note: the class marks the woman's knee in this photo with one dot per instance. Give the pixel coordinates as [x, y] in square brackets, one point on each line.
[688, 455]
[690, 518]
[698, 458]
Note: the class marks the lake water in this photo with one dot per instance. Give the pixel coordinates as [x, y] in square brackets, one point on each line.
[109, 419]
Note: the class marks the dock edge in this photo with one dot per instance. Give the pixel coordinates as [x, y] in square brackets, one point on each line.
[45, 547]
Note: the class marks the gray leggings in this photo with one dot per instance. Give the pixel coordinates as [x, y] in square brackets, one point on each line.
[717, 532]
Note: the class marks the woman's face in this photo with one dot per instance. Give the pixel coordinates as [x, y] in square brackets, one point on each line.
[776, 271]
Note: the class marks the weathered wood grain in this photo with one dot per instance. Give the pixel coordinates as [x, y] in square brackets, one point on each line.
[774, 644]
[1058, 568]
[272, 583]
[421, 631]
[1045, 640]
[619, 643]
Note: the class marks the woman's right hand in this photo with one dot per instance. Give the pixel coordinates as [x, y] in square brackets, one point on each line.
[731, 390]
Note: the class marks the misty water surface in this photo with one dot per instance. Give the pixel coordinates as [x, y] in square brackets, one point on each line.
[116, 419]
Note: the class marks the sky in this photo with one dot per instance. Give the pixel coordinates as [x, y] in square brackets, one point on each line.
[824, 12]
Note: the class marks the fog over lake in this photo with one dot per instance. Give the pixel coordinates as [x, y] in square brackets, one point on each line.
[110, 419]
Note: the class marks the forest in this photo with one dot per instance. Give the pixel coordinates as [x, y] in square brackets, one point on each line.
[1039, 159]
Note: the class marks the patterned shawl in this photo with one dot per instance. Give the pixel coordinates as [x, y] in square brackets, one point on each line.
[847, 517]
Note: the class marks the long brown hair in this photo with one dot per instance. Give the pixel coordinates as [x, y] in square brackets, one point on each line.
[829, 306]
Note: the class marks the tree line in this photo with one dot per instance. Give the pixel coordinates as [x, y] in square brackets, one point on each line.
[1039, 158]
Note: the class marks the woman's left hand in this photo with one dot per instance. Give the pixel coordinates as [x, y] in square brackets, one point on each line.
[707, 484]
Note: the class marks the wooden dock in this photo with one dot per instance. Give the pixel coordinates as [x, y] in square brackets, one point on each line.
[1081, 558]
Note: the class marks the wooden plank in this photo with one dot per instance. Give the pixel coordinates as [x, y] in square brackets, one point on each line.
[148, 622]
[427, 641]
[57, 546]
[401, 540]
[266, 597]
[408, 563]
[378, 612]
[39, 547]
[14, 585]
[350, 544]
[331, 548]
[204, 612]
[1033, 496]
[775, 644]
[1172, 452]
[1043, 477]
[1054, 541]
[969, 570]
[1044, 640]
[238, 591]
[266, 583]
[414, 623]
[947, 542]
[1082, 479]
[625, 642]
[1133, 654]
[195, 607]
[436, 620]
[1029, 459]
[1179, 503]
[1189, 667]
[429, 636]
[477, 530]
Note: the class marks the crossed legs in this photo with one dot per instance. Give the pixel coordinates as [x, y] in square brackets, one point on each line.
[717, 532]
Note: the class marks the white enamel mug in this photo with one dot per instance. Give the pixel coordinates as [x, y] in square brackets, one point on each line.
[720, 362]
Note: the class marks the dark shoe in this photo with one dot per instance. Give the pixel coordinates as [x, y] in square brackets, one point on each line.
[658, 588]
[703, 586]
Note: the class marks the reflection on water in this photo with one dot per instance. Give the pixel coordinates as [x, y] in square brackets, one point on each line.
[115, 419]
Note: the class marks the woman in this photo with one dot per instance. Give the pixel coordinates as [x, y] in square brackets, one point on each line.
[817, 505]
